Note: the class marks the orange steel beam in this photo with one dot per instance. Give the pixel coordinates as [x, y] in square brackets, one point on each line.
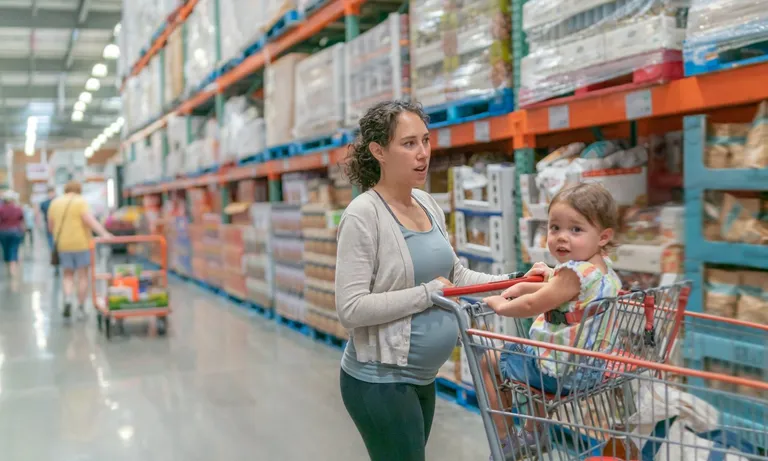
[326, 15]
[689, 95]
[176, 19]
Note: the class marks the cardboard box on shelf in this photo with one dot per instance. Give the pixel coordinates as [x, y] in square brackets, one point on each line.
[279, 94]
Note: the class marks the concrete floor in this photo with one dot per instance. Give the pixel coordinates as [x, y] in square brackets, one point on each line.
[224, 385]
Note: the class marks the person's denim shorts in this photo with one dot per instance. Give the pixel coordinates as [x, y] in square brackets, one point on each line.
[10, 240]
[520, 364]
[74, 259]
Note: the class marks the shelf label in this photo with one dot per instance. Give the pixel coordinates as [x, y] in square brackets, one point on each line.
[286, 165]
[559, 117]
[638, 104]
[444, 137]
[482, 131]
[326, 159]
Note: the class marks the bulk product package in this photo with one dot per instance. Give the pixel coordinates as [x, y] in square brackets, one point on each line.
[241, 24]
[722, 292]
[201, 44]
[318, 102]
[377, 67]
[174, 68]
[279, 93]
[740, 220]
[460, 49]
[756, 151]
[753, 297]
[243, 131]
[716, 26]
[576, 44]
[725, 145]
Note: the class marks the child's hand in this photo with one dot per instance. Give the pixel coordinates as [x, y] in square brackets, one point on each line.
[497, 303]
[540, 269]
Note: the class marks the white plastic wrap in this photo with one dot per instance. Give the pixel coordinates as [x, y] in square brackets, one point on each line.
[141, 20]
[279, 93]
[459, 50]
[577, 44]
[243, 132]
[377, 64]
[241, 22]
[319, 100]
[201, 44]
[721, 21]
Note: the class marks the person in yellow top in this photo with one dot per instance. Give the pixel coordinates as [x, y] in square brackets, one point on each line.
[72, 224]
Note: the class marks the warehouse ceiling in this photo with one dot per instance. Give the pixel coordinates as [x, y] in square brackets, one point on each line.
[48, 50]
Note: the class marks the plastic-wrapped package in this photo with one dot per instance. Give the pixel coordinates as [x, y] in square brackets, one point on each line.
[174, 68]
[377, 63]
[279, 85]
[726, 22]
[577, 44]
[243, 133]
[460, 49]
[201, 44]
[241, 22]
[319, 101]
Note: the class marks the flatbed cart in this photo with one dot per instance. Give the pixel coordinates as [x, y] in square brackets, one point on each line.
[637, 326]
[111, 313]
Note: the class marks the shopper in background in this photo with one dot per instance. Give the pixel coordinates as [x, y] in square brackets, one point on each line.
[44, 206]
[11, 230]
[393, 253]
[29, 223]
[71, 222]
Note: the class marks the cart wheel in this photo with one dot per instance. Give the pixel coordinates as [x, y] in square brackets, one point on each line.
[107, 327]
[99, 321]
[162, 325]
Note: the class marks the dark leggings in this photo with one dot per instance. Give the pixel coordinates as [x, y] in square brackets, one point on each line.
[394, 419]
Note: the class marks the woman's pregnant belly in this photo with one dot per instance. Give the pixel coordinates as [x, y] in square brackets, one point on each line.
[434, 334]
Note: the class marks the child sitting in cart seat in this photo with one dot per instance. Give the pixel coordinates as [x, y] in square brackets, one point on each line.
[582, 221]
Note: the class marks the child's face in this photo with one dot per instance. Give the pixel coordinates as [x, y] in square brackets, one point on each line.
[572, 237]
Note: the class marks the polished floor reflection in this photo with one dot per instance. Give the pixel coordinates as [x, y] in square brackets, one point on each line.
[224, 385]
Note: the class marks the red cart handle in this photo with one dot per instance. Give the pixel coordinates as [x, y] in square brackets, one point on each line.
[452, 292]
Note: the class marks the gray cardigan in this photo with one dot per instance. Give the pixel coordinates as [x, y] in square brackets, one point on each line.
[375, 292]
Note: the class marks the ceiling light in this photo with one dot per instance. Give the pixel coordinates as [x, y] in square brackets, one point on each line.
[95, 145]
[102, 138]
[77, 116]
[29, 150]
[31, 123]
[111, 51]
[121, 121]
[86, 97]
[110, 130]
[100, 70]
[80, 106]
[88, 152]
[92, 84]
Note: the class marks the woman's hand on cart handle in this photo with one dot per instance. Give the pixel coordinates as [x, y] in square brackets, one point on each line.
[447, 284]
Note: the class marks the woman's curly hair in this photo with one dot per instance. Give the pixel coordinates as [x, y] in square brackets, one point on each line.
[377, 125]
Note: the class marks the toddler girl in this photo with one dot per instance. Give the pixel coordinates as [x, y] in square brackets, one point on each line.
[582, 221]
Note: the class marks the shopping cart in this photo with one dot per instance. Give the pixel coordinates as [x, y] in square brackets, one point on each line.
[121, 288]
[640, 326]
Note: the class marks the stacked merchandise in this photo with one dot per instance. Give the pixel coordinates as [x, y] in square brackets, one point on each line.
[181, 258]
[141, 19]
[132, 288]
[320, 218]
[319, 100]
[243, 133]
[241, 23]
[258, 270]
[739, 145]
[174, 68]
[737, 293]
[287, 248]
[459, 50]
[235, 233]
[178, 162]
[204, 152]
[377, 67]
[279, 92]
[439, 185]
[717, 26]
[212, 238]
[576, 45]
[201, 210]
[201, 44]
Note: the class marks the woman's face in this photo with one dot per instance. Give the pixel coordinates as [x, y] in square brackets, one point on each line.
[406, 158]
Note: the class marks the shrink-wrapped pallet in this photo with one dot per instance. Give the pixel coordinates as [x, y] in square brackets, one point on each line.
[377, 67]
[319, 99]
[576, 45]
[279, 91]
[201, 44]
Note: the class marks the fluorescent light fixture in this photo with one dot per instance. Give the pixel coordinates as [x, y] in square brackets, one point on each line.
[95, 145]
[111, 51]
[110, 131]
[86, 97]
[77, 116]
[31, 123]
[121, 121]
[92, 84]
[88, 152]
[102, 138]
[80, 106]
[29, 151]
[100, 70]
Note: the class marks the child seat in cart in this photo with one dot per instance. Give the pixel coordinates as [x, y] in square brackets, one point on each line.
[123, 288]
[640, 326]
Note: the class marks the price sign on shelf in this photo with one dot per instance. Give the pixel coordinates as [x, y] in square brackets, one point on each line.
[482, 131]
[638, 104]
[559, 117]
[286, 165]
[326, 158]
[444, 137]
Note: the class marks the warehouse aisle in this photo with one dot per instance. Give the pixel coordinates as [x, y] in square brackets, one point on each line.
[224, 386]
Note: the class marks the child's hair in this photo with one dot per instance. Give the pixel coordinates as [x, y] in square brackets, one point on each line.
[594, 202]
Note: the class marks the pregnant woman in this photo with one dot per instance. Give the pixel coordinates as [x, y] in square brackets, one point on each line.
[393, 253]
